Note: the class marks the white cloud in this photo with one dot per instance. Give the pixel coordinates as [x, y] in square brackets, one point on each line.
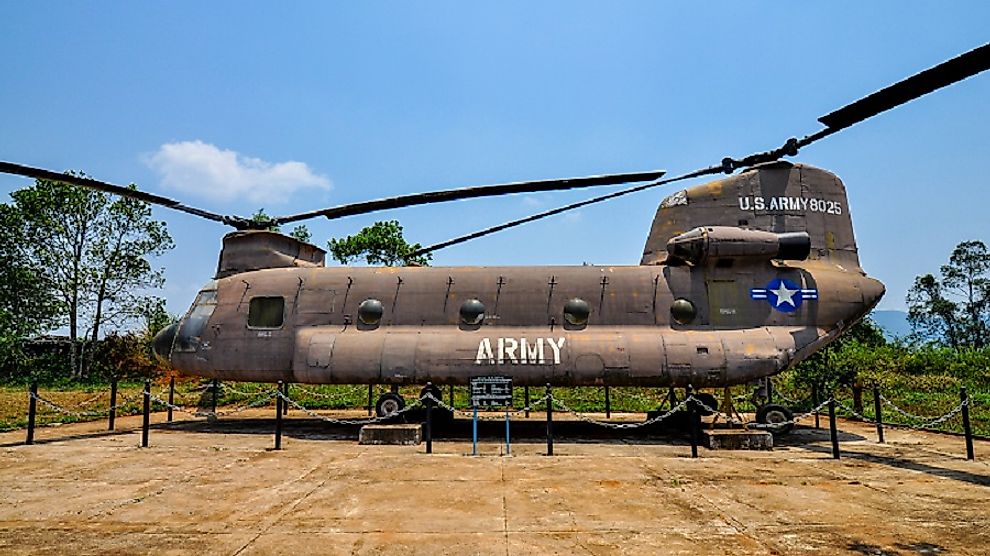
[202, 169]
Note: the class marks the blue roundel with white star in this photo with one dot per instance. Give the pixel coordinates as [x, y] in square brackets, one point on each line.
[784, 295]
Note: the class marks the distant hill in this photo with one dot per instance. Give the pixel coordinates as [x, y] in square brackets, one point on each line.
[893, 323]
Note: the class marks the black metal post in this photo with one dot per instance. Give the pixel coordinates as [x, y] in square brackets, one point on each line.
[526, 399]
[608, 404]
[279, 406]
[549, 421]
[877, 412]
[967, 429]
[113, 404]
[672, 397]
[769, 390]
[815, 401]
[171, 397]
[371, 398]
[146, 422]
[285, 392]
[429, 420]
[216, 388]
[694, 417]
[32, 412]
[833, 432]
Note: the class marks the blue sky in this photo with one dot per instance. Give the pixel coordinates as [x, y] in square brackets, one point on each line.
[317, 104]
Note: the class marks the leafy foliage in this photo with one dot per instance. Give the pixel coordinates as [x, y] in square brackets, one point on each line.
[381, 243]
[956, 308]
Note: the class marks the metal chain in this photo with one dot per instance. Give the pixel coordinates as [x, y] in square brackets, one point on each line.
[316, 415]
[909, 415]
[610, 425]
[80, 414]
[264, 400]
[937, 421]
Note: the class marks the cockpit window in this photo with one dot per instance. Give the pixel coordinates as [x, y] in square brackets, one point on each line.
[266, 312]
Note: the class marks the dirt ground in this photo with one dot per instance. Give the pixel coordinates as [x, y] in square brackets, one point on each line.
[219, 489]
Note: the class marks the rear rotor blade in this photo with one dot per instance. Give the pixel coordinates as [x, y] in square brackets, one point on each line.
[932, 79]
[40, 173]
[470, 193]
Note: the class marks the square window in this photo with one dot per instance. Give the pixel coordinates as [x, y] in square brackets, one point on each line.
[266, 312]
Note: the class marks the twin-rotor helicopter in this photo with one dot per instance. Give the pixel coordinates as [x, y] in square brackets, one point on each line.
[740, 279]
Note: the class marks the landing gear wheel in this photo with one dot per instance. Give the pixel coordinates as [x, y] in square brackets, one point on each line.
[389, 404]
[432, 390]
[708, 400]
[778, 418]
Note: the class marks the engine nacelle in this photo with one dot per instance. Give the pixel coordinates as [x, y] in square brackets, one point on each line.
[710, 243]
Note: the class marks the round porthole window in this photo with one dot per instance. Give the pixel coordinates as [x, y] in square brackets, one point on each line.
[370, 312]
[682, 311]
[577, 311]
[472, 312]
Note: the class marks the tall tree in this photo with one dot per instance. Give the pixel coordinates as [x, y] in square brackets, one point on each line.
[381, 243]
[92, 252]
[956, 308]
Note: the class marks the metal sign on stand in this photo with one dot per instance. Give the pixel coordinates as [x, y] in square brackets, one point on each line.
[490, 392]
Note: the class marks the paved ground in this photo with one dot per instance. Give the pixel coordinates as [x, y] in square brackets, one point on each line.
[219, 489]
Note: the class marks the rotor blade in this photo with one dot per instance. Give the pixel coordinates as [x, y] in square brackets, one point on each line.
[469, 193]
[558, 210]
[42, 174]
[932, 79]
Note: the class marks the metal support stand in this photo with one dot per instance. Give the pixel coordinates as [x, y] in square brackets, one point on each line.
[429, 420]
[769, 390]
[279, 407]
[877, 413]
[113, 404]
[171, 397]
[832, 430]
[549, 421]
[32, 412]
[146, 420]
[967, 429]
[215, 387]
[608, 404]
[285, 405]
[474, 433]
[815, 402]
[508, 445]
[526, 399]
[371, 398]
[450, 392]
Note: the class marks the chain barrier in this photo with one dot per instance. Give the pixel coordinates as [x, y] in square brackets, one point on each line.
[611, 425]
[903, 413]
[125, 400]
[368, 421]
[263, 400]
[932, 421]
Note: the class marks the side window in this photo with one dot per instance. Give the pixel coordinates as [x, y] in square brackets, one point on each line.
[266, 312]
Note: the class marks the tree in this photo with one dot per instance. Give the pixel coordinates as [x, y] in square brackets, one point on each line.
[956, 308]
[91, 251]
[26, 308]
[381, 243]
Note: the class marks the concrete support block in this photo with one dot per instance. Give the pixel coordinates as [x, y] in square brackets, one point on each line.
[736, 439]
[403, 435]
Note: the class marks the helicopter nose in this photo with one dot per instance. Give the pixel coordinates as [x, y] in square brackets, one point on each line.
[162, 344]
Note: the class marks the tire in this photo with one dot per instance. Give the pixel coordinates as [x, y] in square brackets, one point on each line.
[389, 404]
[709, 400]
[771, 414]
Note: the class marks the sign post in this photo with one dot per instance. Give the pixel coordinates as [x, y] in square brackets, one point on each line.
[490, 392]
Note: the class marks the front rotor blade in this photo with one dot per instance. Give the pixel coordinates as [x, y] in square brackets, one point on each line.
[934, 78]
[470, 193]
[42, 174]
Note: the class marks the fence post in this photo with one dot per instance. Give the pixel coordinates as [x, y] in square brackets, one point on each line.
[694, 417]
[474, 432]
[113, 403]
[371, 397]
[833, 432]
[171, 397]
[608, 404]
[526, 399]
[549, 421]
[508, 446]
[429, 419]
[967, 429]
[146, 418]
[285, 405]
[279, 406]
[877, 412]
[815, 401]
[32, 411]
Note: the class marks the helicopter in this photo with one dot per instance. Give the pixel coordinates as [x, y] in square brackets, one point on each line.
[740, 279]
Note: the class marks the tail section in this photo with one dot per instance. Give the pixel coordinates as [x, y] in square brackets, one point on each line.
[778, 197]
